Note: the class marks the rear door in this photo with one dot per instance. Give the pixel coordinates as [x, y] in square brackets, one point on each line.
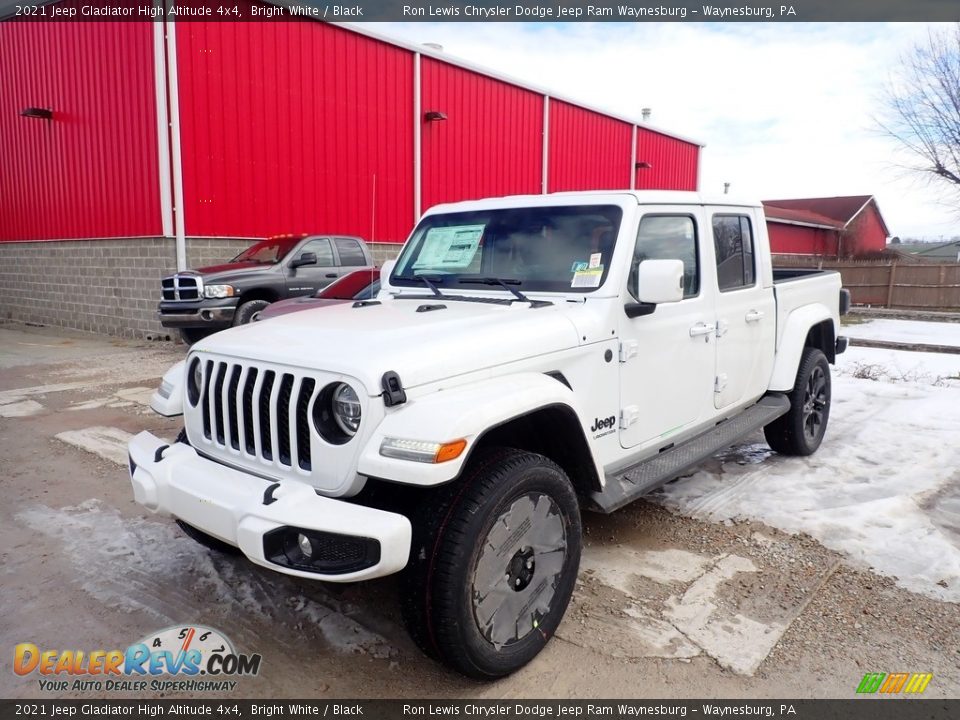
[667, 358]
[746, 310]
[308, 279]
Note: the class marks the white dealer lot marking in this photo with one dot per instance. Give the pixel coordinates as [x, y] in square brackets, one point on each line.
[125, 397]
[108, 442]
[18, 407]
[674, 608]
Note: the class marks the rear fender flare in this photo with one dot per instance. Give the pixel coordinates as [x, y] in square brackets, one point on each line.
[795, 332]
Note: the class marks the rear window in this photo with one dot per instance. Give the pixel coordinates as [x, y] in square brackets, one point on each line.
[351, 254]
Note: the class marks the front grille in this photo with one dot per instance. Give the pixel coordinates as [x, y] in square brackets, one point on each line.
[181, 287]
[259, 413]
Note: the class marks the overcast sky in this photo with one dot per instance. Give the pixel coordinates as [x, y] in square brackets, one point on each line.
[785, 110]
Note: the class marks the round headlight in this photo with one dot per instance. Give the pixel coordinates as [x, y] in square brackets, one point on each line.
[194, 381]
[346, 409]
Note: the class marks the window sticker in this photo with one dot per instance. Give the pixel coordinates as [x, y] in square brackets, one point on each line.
[588, 278]
[578, 266]
[449, 248]
[595, 260]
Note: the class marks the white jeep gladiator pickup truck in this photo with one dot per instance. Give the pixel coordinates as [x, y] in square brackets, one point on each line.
[526, 358]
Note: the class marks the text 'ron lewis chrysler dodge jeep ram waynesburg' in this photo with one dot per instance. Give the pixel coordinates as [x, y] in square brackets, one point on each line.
[525, 358]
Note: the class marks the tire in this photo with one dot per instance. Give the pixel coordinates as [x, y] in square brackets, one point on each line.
[462, 539]
[192, 335]
[246, 311]
[208, 541]
[801, 430]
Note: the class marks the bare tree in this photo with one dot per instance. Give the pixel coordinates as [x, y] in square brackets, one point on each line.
[921, 106]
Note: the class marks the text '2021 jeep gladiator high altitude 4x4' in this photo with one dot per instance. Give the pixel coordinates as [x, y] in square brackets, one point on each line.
[526, 357]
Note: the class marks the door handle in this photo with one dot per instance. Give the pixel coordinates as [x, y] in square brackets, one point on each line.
[330, 275]
[753, 316]
[701, 329]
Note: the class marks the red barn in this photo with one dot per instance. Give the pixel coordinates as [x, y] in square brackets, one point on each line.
[141, 147]
[827, 227]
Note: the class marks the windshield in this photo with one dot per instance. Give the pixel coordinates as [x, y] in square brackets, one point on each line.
[555, 249]
[269, 251]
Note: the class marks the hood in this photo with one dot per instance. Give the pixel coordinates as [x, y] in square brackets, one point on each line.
[226, 271]
[308, 302]
[421, 346]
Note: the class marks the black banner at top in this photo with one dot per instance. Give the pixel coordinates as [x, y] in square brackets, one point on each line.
[484, 10]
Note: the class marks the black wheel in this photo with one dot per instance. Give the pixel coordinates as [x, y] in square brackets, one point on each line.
[801, 430]
[192, 335]
[246, 311]
[208, 541]
[493, 563]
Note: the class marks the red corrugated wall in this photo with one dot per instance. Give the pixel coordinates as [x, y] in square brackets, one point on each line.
[867, 234]
[91, 171]
[294, 127]
[588, 151]
[800, 240]
[673, 162]
[491, 142]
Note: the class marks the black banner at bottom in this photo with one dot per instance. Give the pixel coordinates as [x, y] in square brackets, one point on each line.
[854, 709]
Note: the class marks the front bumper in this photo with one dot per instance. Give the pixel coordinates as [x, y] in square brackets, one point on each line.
[197, 314]
[233, 507]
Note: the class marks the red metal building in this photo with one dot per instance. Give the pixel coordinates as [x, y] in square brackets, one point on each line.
[827, 227]
[145, 147]
[294, 125]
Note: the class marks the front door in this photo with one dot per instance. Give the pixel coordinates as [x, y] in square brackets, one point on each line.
[308, 279]
[668, 357]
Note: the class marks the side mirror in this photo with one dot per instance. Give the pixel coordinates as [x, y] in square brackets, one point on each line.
[659, 281]
[385, 271]
[307, 258]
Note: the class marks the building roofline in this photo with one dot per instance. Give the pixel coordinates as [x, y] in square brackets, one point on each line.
[782, 221]
[441, 56]
[871, 199]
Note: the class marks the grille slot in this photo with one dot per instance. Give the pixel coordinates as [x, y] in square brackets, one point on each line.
[266, 390]
[218, 401]
[208, 372]
[303, 419]
[232, 407]
[249, 438]
[283, 418]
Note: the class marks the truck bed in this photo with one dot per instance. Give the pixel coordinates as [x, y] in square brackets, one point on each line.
[781, 275]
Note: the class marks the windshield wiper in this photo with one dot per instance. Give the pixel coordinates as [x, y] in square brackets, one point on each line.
[426, 281]
[506, 284]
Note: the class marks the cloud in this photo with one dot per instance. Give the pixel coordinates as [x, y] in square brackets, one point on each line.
[786, 110]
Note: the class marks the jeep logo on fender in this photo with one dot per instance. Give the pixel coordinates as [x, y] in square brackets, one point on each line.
[603, 423]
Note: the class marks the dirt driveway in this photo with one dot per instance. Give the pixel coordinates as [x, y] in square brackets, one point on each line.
[666, 605]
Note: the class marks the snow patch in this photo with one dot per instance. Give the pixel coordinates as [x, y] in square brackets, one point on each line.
[884, 488]
[18, 407]
[107, 442]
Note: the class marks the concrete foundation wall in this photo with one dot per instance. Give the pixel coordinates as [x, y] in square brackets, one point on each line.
[110, 286]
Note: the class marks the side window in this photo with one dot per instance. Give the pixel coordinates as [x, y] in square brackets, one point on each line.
[351, 254]
[320, 246]
[668, 237]
[733, 239]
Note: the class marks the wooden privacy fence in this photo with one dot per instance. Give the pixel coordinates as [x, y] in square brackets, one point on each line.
[889, 283]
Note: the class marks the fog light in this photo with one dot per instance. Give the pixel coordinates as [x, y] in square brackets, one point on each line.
[305, 547]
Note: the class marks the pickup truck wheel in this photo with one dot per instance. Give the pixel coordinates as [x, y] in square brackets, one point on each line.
[493, 564]
[247, 310]
[801, 430]
[192, 335]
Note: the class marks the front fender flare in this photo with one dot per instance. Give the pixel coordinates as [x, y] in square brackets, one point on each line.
[461, 412]
[794, 336]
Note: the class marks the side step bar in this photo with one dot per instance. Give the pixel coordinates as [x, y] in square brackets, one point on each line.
[630, 484]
